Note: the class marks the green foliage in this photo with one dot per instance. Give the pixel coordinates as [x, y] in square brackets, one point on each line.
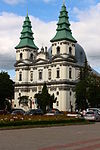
[87, 89]
[6, 90]
[23, 100]
[44, 99]
[81, 87]
[93, 92]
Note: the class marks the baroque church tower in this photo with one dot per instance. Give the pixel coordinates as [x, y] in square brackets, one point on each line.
[58, 66]
[26, 52]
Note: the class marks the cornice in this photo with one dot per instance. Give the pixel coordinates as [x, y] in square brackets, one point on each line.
[66, 82]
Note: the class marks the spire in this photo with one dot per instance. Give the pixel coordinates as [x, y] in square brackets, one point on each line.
[26, 39]
[27, 11]
[63, 2]
[63, 27]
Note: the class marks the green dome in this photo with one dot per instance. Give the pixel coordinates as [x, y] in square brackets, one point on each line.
[26, 39]
[63, 27]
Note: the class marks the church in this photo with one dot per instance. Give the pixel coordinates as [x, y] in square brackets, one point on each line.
[57, 66]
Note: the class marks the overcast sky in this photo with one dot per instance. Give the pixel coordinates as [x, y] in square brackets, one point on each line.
[84, 16]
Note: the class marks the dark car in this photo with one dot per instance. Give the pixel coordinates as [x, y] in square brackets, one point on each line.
[34, 112]
[4, 112]
[18, 112]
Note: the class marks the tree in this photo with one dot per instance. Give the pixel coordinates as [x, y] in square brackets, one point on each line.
[23, 100]
[94, 91]
[87, 89]
[44, 99]
[82, 86]
[53, 99]
[6, 90]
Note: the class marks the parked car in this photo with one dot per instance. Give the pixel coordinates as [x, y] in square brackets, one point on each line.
[94, 109]
[4, 112]
[13, 109]
[18, 112]
[34, 112]
[92, 116]
[53, 112]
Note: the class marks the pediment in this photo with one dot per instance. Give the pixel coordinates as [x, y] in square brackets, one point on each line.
[57, 57]
[71, 59]
[40, 60]
[22, 63]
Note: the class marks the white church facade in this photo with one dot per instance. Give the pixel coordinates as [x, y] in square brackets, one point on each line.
[59, 66]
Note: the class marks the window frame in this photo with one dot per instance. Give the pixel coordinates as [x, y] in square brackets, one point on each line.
[20, 76]
[70, 73]
[58, 50]
[40, 74]
[31, 76]
[58, 73]
[31, 56]
[70, 50]
[49, 74]
[21, 56]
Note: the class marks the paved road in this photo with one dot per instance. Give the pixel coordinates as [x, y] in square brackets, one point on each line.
[79, 137]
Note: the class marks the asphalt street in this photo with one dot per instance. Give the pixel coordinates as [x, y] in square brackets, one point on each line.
[74, 137]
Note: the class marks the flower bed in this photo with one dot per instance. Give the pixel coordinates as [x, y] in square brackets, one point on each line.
[31, 121]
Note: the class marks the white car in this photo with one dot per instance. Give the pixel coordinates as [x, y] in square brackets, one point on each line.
[53, 112]
[92, 116]
[94, 109]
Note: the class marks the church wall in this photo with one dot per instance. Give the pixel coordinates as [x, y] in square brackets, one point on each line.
[35, 75]
[62, 100]
[26, 52]
[41, 55]
[77, 70]
[25, 75]
[17, 76]
[63, 97]
[63, 72]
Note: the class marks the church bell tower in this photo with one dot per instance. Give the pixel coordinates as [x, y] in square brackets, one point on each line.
[26, 52]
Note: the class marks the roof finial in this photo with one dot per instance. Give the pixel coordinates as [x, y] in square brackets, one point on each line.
[63, 2]
[27, 11]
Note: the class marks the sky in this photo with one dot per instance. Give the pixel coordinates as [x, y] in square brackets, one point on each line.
[84, 16]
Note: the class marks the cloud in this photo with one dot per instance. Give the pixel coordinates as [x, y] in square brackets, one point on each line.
[10, 36]
[86, 31]
[13, 2]
[7, 61]
[43, 31]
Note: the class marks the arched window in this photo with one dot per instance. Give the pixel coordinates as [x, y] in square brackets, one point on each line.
[31, 56]
[70, 51]
[70, 73]
[31, 76]
[20, 76]
[40, 74]
[70, 93]
[57, 93]
[49, 74]
[58, 73]
[58, 50]
[57, 103]
[21, 56]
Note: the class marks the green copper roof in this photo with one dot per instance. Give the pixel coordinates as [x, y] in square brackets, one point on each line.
[63, 27]
[26, 39]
